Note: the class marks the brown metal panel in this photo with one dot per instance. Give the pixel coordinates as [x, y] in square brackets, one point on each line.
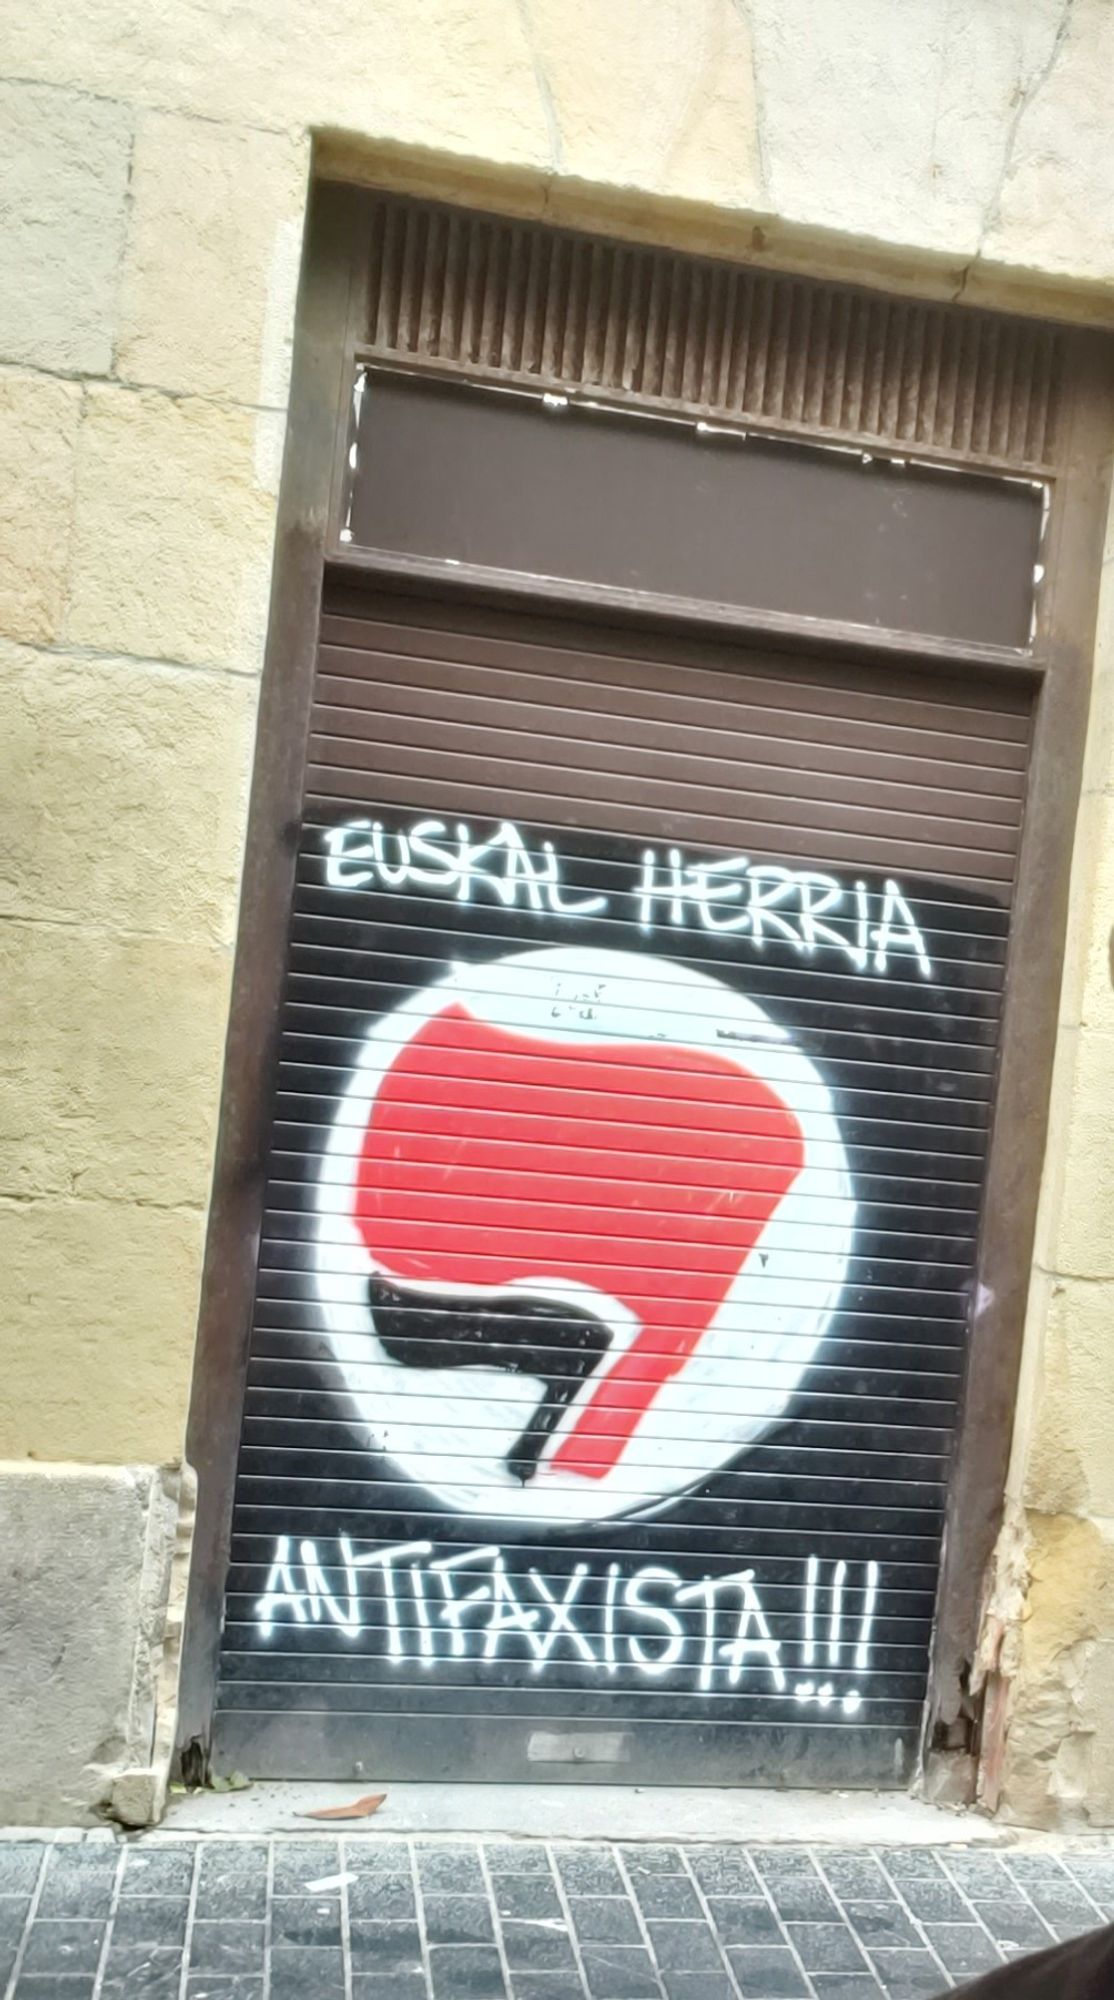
[858, 751]
[728, 772]
[488, 481]
[318, 388]
[773, 679]
[692, 333]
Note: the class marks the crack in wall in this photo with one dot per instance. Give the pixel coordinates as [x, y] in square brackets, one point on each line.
[1027, 93]
[741, 10]
[545, 89]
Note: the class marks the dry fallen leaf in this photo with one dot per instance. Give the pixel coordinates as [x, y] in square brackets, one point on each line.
[359, 1809]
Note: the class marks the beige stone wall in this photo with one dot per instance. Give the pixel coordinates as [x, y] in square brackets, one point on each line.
[153, 170]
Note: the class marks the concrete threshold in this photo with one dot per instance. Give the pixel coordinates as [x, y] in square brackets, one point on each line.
[597, 1812]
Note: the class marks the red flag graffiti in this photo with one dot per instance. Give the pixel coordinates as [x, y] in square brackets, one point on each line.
[647, 1171]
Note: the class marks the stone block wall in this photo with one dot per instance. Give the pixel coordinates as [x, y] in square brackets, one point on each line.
[154, 164]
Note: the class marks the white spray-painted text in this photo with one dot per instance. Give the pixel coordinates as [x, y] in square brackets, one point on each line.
[874, 930]
[474, 1605]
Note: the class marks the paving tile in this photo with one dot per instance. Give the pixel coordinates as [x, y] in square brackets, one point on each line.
[698, 1986]
[451, 1871]
[232, 1883]
[856, 1878]
[764, 1973]
[147, 1971]
[723, 1871]
[615, 1972]
[882, 1924]
[963, 1948]
[466, 1972]
[650, 1859]
[908, 1975]
[912, 1864]
[150, 1920]
[740, 1922]
[306, 1920]
[545, 1986]
[604, 1920]
[374, 1854]
[526, 1896]
[1065, 1907]
[13, 1916]
[543, 1947]
[1094, 1871]
[123, 1960]
[826, 1947]
[459, 1920]
[225, 1946]
[306, 1972]
[63, 1945]
[223, 1986]
[934, 1900]
[771, 1861]
[680, 1947]
[387, 1897]
[802, 1901]
[20, 1864]
[157, 1871]
[79, 1882]
[589, 1871]
[53, 1986]
[384, 1948]
[514, 1857]
[978, 1874]
[845, 1986]
[1039, 1866]
[297, 1863]
[666, 1895]
[393, 1986]
[1014, 1923]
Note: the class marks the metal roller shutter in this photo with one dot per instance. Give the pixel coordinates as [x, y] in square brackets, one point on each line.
[637, 1060]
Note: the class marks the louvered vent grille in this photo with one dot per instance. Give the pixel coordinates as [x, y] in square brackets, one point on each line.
[524, 303]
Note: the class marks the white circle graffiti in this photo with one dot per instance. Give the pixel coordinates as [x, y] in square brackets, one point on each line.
[604, 1148]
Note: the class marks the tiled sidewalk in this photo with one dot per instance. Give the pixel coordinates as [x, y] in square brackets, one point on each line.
[386, 1919]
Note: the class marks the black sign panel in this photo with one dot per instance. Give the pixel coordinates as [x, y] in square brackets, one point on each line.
[611, 1307]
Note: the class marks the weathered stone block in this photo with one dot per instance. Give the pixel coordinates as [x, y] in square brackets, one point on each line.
[1098, 762]
[123, 790]
[172, 531]
[1062, 1668]
[892, 122]
[1096, 1006]
[100, 1308]
[211, 269]
[1069, 1466]
[452, 73]
[64, 175]
[1075, 1236]
[112, 1063]
[38, 430]
[677, 113]
[85, 1559]
[1060, 174]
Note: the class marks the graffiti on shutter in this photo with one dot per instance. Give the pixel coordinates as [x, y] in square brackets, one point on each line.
[621, 1221]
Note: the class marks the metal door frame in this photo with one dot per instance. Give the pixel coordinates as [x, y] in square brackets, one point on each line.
[331, 320]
